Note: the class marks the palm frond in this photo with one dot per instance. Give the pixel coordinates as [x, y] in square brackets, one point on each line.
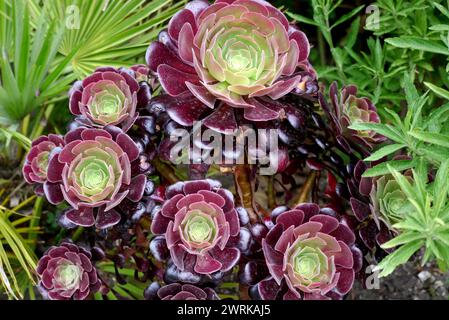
[113, 32]
[16, 256]
[28, 69]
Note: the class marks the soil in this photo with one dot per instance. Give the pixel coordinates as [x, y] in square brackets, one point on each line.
[409, 282]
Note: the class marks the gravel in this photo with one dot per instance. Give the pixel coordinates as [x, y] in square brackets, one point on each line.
[409, 282]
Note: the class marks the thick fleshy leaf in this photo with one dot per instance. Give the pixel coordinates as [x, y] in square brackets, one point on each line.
[53, 193]
[268, 289]
[181, 18]
[222, 120]
[174, 81]
[344, 257]
[186, 110]
[158, 54]
[344, 234]
[303, 44]
[82, 217]
[128, 146]
[137, 188]
[107, 219]
[191, 187]
[360, 209]
[202, 94]
[260, 112]
[290, 218]
[345, 281]
[206, 264]
[55, 173]
[159, 224]
[228, 257]
[329, 223]
[185, 39]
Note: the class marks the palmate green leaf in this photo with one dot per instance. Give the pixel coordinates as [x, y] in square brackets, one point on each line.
[385, 151]
[22, 257]
[382, 168]
[409, 42]
[28, 59]
[113, 32]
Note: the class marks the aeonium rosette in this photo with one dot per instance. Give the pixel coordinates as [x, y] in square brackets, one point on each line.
[178, 291]
[240, 52]
[66, 272]
[390, 203]
[93, 171]
[310, 255]
[345, 109]
[36, 162]
[198, 221]
[109, 97]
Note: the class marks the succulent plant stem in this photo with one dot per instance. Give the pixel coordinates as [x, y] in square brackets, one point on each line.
[77, 234]
[165, 170]
[245, 190]
[304, 193]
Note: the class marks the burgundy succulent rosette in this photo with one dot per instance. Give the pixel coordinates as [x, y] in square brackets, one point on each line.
[66, 272]
[310, 255]
[231, 55]
[109, 97]
[198, 221]
[345, 109]
[177, 291]
[372, 231]
[93, 171]
[36, 162]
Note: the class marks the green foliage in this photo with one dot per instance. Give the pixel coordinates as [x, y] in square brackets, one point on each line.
[113, 33]
[41, 54]
[427, 226]
[17, 259]
[28, 75]
[44, 48]
[400, 62]
[132, 289]
[419, 135]
[352, 50]
[46, 45]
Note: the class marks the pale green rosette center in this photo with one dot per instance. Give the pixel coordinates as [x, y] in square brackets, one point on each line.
[42, 162]
[199, 229]
[93, 176]
[68, 276]
[309, 265]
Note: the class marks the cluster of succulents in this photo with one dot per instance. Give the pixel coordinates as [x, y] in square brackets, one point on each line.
[230, 64]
